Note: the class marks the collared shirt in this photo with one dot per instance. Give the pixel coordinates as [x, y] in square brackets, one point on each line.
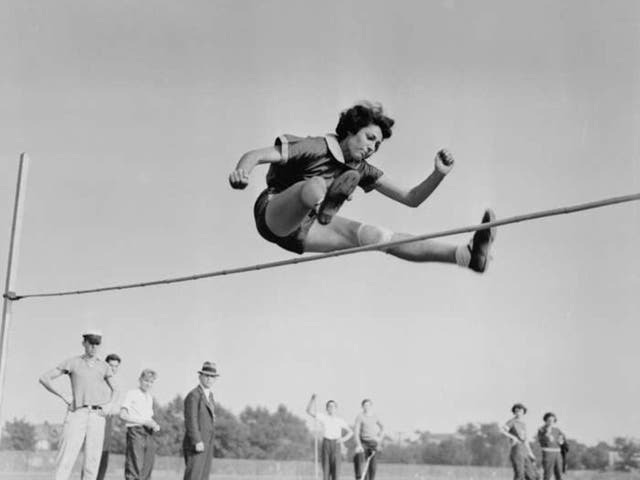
[88, 380]
[309, 157]
[208, 395]
[332, 426]
[550, 438]
[139, 405]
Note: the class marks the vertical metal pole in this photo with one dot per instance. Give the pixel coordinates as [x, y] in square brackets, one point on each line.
[12, 267]
[315, 449]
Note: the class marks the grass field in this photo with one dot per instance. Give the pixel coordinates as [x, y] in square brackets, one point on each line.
[385, 472]
[40, 465]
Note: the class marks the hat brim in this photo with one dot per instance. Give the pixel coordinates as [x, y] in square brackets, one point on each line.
[208, 374]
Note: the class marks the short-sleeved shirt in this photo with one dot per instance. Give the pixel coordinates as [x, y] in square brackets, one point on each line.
[517, 428]
[308, 157]
[369, 426]
[550, 438]
[332, 426]
[88, 380]
[139, 404]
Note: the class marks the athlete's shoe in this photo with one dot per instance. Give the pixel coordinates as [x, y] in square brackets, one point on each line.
[481, 244]
[341, 188]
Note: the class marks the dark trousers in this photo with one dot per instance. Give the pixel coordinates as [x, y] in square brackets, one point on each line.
[360, 460]
[330, 458]
[198, 465]
[523, 467]
[140, 453]
[552, 464]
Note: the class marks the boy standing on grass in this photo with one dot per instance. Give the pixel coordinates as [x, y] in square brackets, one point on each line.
[137, 412]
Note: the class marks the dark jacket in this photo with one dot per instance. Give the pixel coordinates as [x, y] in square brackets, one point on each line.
[199, 419]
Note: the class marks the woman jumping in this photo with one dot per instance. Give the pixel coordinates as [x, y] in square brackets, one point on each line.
[310, 178]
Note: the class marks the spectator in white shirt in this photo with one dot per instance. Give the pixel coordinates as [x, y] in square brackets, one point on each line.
[332, 438]
[137, 412]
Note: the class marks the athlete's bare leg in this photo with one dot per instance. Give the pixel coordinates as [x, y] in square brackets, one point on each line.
[344, 233]
[286, 210]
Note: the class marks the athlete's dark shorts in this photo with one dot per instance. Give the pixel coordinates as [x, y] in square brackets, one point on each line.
[294, 242]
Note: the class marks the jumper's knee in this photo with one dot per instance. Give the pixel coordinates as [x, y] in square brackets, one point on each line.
[313, 191]
[371, 234]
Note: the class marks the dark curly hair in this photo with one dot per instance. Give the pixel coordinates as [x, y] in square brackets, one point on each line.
[362, 115]
[113, 357]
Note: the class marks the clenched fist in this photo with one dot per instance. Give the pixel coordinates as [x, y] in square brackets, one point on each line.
[444, 161]
[239, 179]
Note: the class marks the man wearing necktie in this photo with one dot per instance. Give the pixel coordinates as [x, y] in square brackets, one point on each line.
[199, 419]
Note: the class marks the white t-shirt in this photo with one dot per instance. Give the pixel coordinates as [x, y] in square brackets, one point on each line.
[139, 405]
[332, 426]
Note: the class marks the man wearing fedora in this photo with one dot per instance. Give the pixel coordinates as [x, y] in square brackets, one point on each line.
[91, 391]
[199, 419]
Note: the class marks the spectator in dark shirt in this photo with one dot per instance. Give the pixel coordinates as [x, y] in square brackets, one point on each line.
[551, 440]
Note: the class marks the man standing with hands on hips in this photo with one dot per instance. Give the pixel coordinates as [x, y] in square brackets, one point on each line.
[199, 419]
[91, 390]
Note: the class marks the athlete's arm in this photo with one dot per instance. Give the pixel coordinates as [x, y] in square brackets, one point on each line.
[46, 380]
[414, 197]
[239, 178]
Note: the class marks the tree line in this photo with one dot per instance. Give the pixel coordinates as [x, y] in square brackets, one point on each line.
[257, 433]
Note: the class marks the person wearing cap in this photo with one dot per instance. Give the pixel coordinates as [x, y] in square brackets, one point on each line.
[551, 440]
[84, 424]
[332, 437]
[114, 361]
[369, 433]
[521, 455]
[137, 412]
[199, 420]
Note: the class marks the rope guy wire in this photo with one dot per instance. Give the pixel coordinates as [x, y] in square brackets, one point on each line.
[338, 253]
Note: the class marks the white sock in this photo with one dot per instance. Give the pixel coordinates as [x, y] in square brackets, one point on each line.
[463, 255]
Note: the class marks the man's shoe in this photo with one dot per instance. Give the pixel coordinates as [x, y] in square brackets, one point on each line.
[481, 244]
[341, 189]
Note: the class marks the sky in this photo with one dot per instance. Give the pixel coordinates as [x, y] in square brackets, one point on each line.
[134, 113]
